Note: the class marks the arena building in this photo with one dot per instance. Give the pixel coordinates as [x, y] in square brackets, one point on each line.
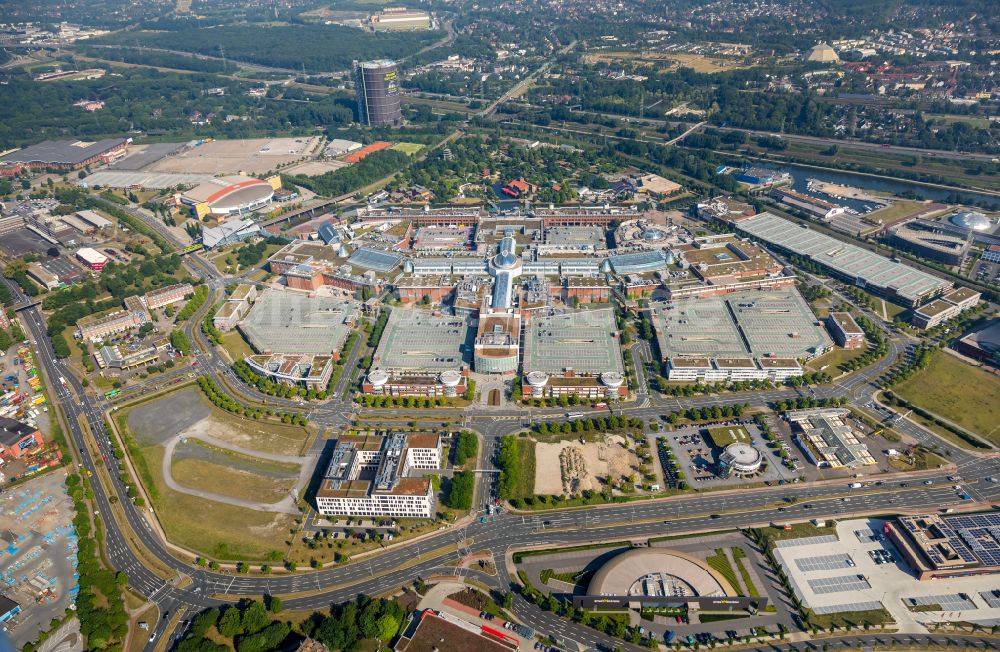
[370, 475]
[930, 242]
[230, 195]
[983, 344]
[421, 354]
[575, 353]
[290, 322]
[856, 265]
[651, 578]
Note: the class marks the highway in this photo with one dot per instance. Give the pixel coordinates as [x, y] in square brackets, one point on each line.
[400, 564]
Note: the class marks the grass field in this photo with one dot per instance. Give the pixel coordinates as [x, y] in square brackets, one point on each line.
[216, 530]
[972, 121]
[726, 435]
[236, 346]
[958, 392]
[408, 148]
[526, 465]
[830, 362]
[230, 481]
[900, 208]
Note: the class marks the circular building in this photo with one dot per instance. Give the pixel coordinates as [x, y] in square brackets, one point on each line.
[225, 196]
[377, 378]
[537, 381]
[657, 572]
[741, 459]
[972, 220]
[450, 379]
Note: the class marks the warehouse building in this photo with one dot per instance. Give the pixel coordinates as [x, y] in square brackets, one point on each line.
[63, 155]
[370, 475]
[856, 265]
[17, 439]
[948, 545]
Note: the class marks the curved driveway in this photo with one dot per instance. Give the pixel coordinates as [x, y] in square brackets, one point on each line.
[287, 505]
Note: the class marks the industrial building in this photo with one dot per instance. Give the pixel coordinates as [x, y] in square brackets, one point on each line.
[724, 210]
[574, 353]
[376, 85]
[421, 354]
[228, 233]
[828, 439]
[95, 220]
[370, 475]
[167, 295]
[856, 265]
[290, 322]
[947, 545]
[845, 331]
[17, 439]
[230, 195]
[757, 177]
[42, 276]
[400, 19]
[947, 307]
[63, 155]
[310, 371]
[813, 206]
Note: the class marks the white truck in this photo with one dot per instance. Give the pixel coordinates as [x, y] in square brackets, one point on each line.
[855, 485]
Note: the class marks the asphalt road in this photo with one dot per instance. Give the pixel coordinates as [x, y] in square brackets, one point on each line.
[399, 565]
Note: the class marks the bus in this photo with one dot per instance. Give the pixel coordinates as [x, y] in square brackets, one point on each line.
[113, 393]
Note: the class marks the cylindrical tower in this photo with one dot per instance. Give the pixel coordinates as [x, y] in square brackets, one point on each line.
[450, 379]
[376, 84]
[537, 381]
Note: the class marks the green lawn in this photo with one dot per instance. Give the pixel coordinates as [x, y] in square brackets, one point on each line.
[408, 148]
[830, 362]
[958, 392]
[526, 463]
[236, 346]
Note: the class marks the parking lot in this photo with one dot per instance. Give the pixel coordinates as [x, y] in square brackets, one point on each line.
[698, 459]
[867, 572]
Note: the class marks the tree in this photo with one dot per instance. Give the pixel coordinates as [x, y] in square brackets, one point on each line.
[387, 627]
[274, 604]
[230, 624]
[254, 617]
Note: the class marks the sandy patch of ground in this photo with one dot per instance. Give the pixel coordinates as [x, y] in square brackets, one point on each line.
[316, 168]
[580, 465]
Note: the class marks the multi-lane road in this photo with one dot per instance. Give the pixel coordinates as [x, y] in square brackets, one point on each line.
[432, 555]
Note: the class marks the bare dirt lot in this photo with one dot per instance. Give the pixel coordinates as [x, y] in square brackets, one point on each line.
[316, 168]
[253, 156]
[580, 465]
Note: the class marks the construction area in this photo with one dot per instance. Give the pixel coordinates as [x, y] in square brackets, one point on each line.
[38, 555]
[582, 465]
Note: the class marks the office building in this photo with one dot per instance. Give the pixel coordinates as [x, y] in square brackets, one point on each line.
[370, 475]
[941, 310]
[828, 438]
[376, 85]
[93, 328]
[845, 330]
[942, 546]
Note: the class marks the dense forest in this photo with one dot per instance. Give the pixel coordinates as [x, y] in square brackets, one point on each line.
[313, 48]
[339, 182]
[145, 100]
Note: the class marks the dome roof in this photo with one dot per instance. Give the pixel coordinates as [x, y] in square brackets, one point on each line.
[971, 220]
[506, 256]
[653, 235]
